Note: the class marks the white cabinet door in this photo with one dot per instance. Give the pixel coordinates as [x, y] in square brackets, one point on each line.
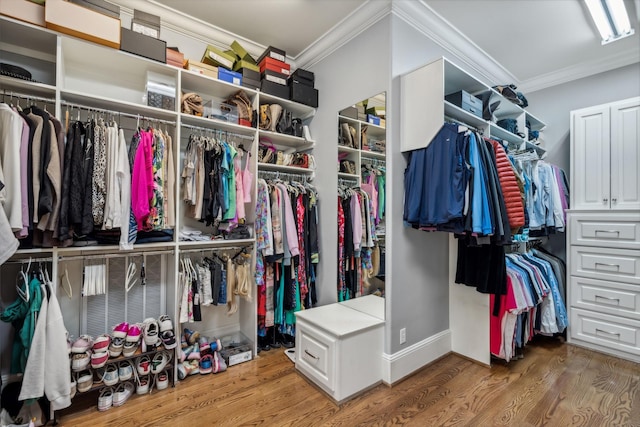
[590, 148]
[625, 154]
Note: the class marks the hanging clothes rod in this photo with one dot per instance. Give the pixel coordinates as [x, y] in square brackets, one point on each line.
[282, 175]
[27, 96]
[119, 255]
[346, 181]
[373, 162]
[213, 129]
[221, 249]
[451, 120]
[116, 113]
[28, 260]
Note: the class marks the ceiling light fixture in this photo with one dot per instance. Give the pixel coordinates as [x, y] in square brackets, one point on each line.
[611, 19]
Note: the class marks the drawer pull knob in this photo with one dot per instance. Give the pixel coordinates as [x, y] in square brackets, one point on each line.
[605, 201]
[617, 300]
[615, 334]
[617, 266]
[311, 355]
[617, 232]
[614, 200]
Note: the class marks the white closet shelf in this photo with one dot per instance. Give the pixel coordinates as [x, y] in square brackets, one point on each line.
[116, 105]
[300, 111]
[114, 248]
[373, 130]
[216, 124]
[12, 32]
[457, 113]
[348, 175]
[203, 85]
[373, 155]
[505, 135]
[282, 168]
[287, 140]
[536, 124]
[343, 149]
[9, 84]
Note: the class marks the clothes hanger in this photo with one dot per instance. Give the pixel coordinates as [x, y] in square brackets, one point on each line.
[65, 277]
[130, 279]
[23, 281]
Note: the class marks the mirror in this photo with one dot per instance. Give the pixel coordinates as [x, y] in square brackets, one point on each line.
[361, 207]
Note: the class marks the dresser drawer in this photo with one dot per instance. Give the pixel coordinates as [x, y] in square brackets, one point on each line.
[618, 299]
[607, 331]
[315, 355]
[611, 230]
[620, 265]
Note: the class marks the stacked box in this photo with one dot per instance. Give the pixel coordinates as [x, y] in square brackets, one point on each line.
[301, 84]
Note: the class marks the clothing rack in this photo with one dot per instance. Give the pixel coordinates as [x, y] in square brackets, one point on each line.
[221, 249]
[288, 176]
[28, 97]
[116, 113]
[373, 162]
[213, 129]
[453, 121]
[118, 255]
[28, 260]
[348, 182]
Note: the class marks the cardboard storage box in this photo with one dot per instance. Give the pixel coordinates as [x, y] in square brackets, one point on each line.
[216, 57]
[24, 10]
[146, 23]
[374, 120]
[304, 94]
[142, 45]
[303, 76]
[351, 112]
[216, 109]
[274, 53]
[466, 101]
[275, 77]
[242, 53]
[236, 348]
[274, 89]
[229, 76]
[78, 21]
[275, 65]
[201, 68]
[175, 57]
[245, 65]
[100, 6]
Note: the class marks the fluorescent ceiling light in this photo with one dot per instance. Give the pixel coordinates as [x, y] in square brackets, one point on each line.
[611, 19]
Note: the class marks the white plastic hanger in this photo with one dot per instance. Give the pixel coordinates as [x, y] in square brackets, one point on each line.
[131, 279]
[63, 279]
[22, 283]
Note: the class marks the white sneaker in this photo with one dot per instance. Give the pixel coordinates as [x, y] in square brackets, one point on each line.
[122, 393]
[105, 400]
[125, 370]
[162, 380]
[143, 385]
[151, 332]
[111, 376]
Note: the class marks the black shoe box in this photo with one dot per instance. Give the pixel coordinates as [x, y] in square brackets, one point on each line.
[273, 52]
[142, 45]
[274, 89]
[250, 83]
[304, 77]
[249, 74]
[274, 76]
[303, 94]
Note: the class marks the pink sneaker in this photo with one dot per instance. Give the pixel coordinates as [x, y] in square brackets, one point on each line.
[121, 330]
[134, 333]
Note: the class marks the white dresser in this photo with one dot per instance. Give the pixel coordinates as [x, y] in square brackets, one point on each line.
[603, 240]
[339, 348]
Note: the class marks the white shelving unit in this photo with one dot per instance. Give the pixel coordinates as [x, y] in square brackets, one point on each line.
[71, 72]
[424, 110]
[357, 154]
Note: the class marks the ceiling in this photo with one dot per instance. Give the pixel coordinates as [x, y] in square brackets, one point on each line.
[529, 39]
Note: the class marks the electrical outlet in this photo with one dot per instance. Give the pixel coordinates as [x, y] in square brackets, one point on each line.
[403, 335]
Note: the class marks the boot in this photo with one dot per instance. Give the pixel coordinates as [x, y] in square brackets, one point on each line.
[346, 135]
[276, 111]
[265, 116]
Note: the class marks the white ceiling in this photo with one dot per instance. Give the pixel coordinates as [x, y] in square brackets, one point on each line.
[533, 41]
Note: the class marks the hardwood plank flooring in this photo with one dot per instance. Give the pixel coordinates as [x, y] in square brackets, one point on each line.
[554, 385]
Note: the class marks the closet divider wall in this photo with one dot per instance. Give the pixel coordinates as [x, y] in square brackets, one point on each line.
[87, 80]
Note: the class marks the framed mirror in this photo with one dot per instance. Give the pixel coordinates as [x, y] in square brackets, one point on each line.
[361, 200]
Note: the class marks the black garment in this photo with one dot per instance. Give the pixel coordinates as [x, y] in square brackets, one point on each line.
[64, 221]
[86, 225]
[483, 267]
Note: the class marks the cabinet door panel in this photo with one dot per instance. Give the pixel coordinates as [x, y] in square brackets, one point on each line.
[625, 154]
[590, 146]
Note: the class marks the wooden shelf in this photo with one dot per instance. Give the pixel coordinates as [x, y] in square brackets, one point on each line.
[282, 168]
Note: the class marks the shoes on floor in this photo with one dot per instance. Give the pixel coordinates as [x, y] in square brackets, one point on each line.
[101, 344]
[206, 364]
[111, 376]
[160, 361]
[120, 330]
[143, 365]
[98, 360]
[82, 344]
[116, 346]
[122, 393]
[105, 400]
[80, 361]
[130, 348]
[125, 370]
[162, 380]
[143, 385]
[191, 336]
[151, 331]
[84, 381]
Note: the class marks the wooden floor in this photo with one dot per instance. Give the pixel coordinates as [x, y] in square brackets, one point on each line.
[554, 385]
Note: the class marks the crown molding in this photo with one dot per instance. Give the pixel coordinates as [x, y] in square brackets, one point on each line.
[358, 21]
[579, 71]
[428, 22]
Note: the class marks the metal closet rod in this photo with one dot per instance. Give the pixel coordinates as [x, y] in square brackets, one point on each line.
[221, 249]
[212, 129]
[105, 256]
[283, 175]
[116, 113]
[28, 97]
[28, 260]
[374, 162]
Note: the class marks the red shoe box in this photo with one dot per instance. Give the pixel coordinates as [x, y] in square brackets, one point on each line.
[275, 65]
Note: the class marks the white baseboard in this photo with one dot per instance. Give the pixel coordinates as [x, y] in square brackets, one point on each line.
[398, 365]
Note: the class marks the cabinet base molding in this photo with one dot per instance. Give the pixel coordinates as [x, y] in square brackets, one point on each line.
[609, 352]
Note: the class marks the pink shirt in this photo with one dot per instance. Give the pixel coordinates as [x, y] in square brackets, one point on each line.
[142, 179]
